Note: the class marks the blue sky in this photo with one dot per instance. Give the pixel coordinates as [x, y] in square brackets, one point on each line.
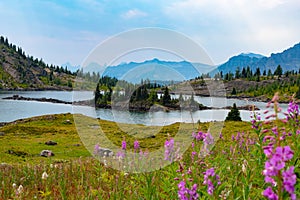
[67, 30]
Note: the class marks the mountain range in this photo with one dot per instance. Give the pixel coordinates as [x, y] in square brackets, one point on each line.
[183, 70]
[289, 60]
[20, 71]
[157, 70]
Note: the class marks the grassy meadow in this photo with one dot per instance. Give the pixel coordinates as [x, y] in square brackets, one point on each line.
[227, 166]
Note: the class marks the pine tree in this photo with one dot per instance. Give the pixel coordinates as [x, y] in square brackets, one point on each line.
[234, 114]
[233, 91]
[269, 73]
[166, 99]
[278, 71]
[237, 73]
[153, 96]
[97, 94]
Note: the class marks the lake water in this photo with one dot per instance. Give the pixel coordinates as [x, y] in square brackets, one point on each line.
[12, 110]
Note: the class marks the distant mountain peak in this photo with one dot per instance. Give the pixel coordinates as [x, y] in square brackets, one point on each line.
[158, 70]
[252, 55]
[288, 59]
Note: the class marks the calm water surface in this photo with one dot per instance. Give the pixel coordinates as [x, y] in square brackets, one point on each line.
[12, 110]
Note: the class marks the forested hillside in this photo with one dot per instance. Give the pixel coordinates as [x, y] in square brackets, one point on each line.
[19, 71]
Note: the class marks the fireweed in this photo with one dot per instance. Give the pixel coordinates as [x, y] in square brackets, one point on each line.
[169, 149]
[212, 180]
[184, 191]
[278, 172]
[208, 142]
[293, 121]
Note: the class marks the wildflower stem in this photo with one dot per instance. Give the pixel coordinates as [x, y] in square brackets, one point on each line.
[279, 176]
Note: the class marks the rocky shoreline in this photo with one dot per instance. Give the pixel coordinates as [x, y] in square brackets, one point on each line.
[125, 106]
[21, 98]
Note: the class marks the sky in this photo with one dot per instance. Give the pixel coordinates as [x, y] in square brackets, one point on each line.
[61, 31]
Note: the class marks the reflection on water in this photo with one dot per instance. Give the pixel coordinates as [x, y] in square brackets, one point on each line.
[12, 110]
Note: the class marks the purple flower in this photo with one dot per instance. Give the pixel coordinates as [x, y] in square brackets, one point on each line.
[277, 162]
[275, 130]
[209, 178]
[193, 192]
[267, 137]
[289, 181]
[209, 139]
[123, 145]
[136, 145]
[199, 136]
[193, 155]
[238, 135]
[182, 191]
[269, 171]
[293, 109]
[120, 155]
[268, 179]
[268, 193]
[96, 149]
[256, 123]
[268, 150]
[186, 194]
[169, 149]
[221, 136]
[285, 153]
[232, 137]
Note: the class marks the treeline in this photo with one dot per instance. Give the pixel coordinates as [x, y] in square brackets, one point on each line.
[288, 85]
[257, 75]
[35, 62]
[88, 76]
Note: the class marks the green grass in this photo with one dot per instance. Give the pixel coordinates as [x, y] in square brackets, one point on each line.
[74, 174]
[29, 136]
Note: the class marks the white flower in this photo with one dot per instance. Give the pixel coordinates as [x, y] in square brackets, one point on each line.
[20, 189]
[44, 175]
[14, 185]
[244, 168]
[51, 165]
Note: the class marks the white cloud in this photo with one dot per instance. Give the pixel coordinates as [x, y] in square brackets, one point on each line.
[228, 27]
[134, 13]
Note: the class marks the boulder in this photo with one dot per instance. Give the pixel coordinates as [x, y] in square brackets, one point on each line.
[2, 133]
[46, 153]
[104, 152]
[51, 143]
[68, 121]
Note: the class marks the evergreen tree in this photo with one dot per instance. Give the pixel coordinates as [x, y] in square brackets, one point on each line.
[2, 40]
[233, 91]
[234, 114]
[97, 94]
[166, 99]
[278, 72]
[257, 74]
[237, 73]
[153, 96]
[264, 73]
[244, 73]
[269, 73]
